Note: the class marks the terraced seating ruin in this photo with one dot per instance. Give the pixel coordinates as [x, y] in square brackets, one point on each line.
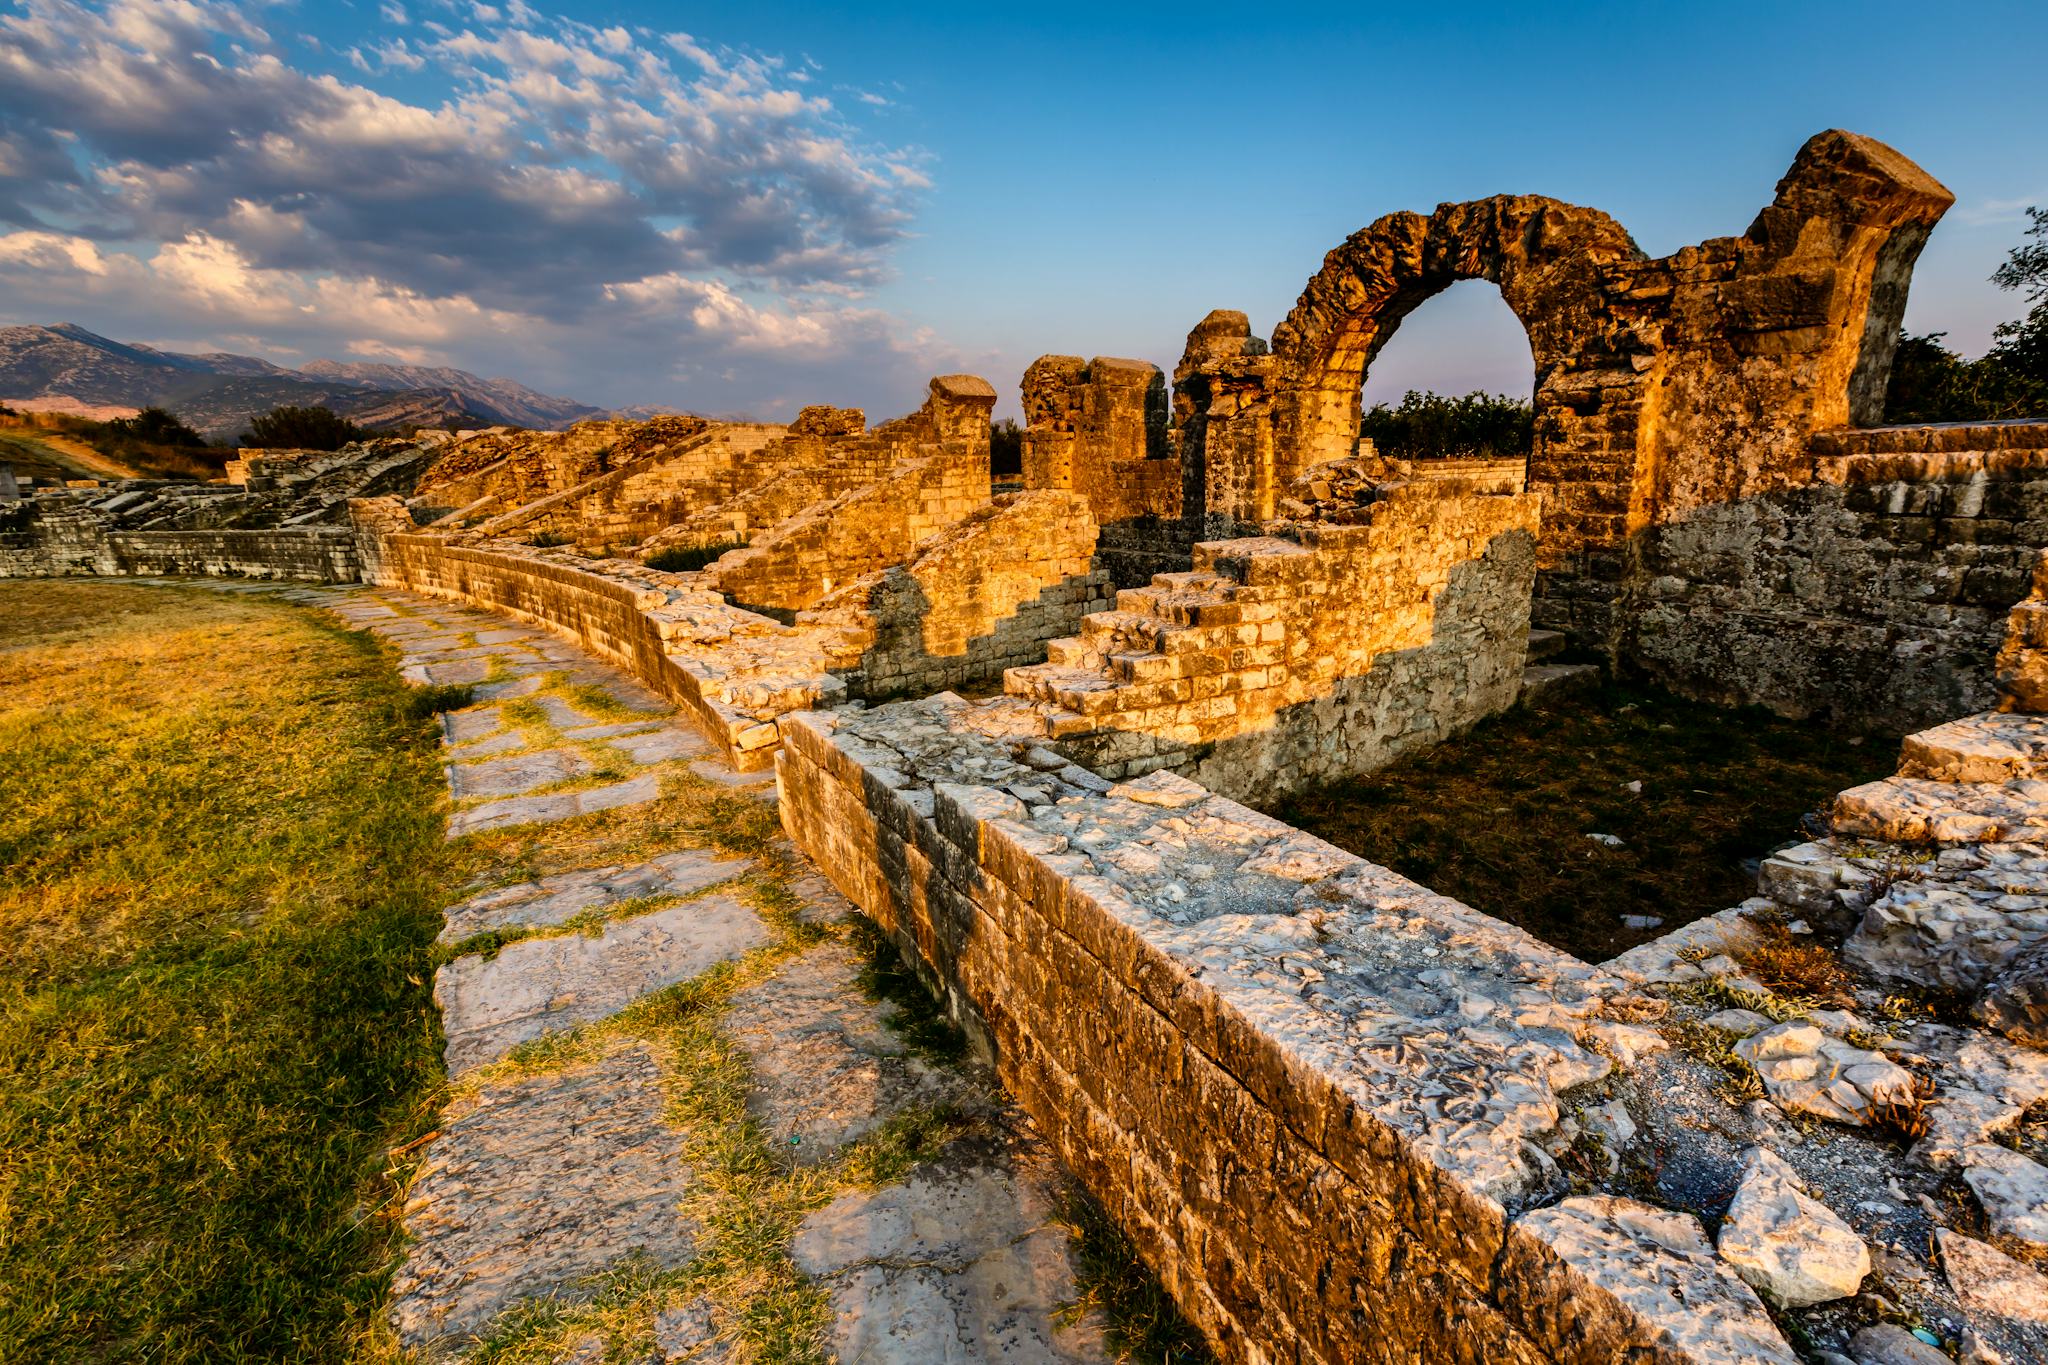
[1023, 739]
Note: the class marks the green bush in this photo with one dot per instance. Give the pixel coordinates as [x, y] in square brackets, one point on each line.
[290, 428]
[689, 558]
[1429, 426]
[1931, 383]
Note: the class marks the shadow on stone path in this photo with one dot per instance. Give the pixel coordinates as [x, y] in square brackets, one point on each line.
[569, 1207]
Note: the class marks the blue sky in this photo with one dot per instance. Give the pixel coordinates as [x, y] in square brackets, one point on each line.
[750, 207]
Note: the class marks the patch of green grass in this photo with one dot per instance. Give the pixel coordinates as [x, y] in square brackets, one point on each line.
[1140, 1321]
[221, 864]
[425, 703]
[1499, 818]
[917, 1016]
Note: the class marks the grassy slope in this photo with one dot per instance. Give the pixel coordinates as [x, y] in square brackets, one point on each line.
[1499, 818]
[219, 863]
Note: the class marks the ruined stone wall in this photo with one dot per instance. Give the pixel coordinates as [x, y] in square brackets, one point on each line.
[798, 562]
[981, 597]
[1278, 663]
[57, 540]
[1873, 598]
[1304, 1086]
[1099, 428]
[1662, 385]
[648, 492]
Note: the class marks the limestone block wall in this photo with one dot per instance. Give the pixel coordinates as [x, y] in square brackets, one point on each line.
[1305, 1086]
[2022, 665]
[1662, 385]
[58, 540]
[1282, 662]
[1874, 597]
[734, 674]
[980, 597]
[1099, 428]
[796, 563]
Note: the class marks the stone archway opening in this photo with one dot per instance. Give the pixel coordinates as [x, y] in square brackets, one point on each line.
[1453, 379]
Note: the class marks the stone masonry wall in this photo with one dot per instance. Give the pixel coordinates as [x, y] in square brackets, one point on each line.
[1278, 663]
[1305, 1086]
[1662, 385]
[1099, 428]
[38, 542]
[1874, 597]
[981, 597]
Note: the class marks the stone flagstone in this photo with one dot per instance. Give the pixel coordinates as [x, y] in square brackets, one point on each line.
[534, 1185]
[491, 1004]
[515, 776]
[551, 900]
[529, 810]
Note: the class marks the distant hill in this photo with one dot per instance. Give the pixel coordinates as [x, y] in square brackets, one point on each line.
[219, 393]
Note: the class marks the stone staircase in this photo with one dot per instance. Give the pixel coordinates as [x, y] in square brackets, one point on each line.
[1545, 680]
[1980, 779]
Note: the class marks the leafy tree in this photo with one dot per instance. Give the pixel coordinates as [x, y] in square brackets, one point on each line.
[1430, 426]
[291, 428]
[1931, 383]
[1006, 448]
[156, 426]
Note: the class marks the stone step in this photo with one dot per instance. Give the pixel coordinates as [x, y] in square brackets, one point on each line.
[1992, 746]
[1545, 644]
[1909, 810]
[1547, 682]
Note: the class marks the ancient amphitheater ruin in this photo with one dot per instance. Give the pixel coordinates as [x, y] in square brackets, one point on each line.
[1021, 727]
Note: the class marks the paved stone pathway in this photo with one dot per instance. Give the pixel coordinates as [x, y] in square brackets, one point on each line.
[558, 1181]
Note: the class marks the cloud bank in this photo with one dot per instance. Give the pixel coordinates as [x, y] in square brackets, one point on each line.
[626, 214]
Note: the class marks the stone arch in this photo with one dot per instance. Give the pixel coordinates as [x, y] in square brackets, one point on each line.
[1544, 255]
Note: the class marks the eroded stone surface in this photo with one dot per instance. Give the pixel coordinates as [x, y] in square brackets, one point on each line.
[534, 1185]
[963, 1262]
[827, 1070]
[1993, 746]
[491, 1004]
[2012, 1188]
[1911, 810]
[1658, 1264]
[2006, 1301]
[1810, 1071]
[531, 810]
[1790, 1247]
[517, 775]
[551, 900]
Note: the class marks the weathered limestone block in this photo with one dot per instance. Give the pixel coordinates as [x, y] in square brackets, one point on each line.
[551, 900]
[2004, 1299]
[1789, 1246]
[2015, 1000]
[1912, 810]
[2023, 657]
[1670, 1292]
[1809, 1071]
[2012, 1188]
[1989, 747]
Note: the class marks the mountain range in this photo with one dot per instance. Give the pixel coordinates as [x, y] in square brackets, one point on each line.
[218, 393]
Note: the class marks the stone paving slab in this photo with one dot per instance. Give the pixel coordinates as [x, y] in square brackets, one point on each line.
[534, 1185]
[489, 1005]
[515, 776]
[551, 900]
[962, 1263]
[528, 810]
[827, 1070]
[665, 745]
[464, 727]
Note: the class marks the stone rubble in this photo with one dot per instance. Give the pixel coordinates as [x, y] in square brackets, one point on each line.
[1791, 1248]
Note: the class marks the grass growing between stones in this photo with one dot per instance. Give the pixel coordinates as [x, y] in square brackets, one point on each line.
[1501, 817]
[221, 863]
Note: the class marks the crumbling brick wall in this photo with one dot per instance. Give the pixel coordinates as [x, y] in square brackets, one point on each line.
[981, 597]
[1278, 663]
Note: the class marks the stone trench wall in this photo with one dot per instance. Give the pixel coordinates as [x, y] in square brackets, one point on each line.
[1873, 598]
[39, 542]
[1278, 663]
[981, 597]
[1305, 1086]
